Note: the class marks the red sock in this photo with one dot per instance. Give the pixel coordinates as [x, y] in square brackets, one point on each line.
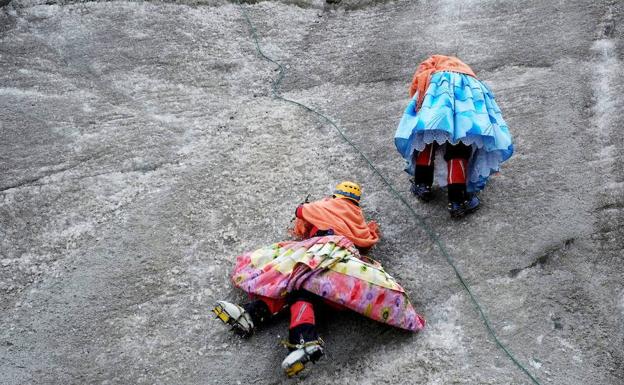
[301, 312]
[425, 157]
[457, 171]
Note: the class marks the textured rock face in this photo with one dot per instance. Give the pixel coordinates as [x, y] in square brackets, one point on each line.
[141, 151]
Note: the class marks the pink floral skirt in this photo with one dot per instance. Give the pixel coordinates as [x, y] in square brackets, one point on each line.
[332, 268]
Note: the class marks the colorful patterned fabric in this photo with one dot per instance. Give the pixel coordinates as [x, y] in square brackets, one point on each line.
[457, 107]
[332, 268]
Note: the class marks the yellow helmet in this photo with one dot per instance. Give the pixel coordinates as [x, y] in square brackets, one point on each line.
[348, 190]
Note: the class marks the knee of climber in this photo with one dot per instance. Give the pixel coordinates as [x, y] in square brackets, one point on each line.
[258, 310]
[273, 305]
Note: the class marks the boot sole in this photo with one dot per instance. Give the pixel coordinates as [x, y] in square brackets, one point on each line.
[228, 320]
[463, 213]
[222, 314]
[294, 369]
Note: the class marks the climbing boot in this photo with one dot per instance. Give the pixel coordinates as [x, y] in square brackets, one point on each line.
[303, 352]
[456, 209]
[235, 316]
[470, 205]
[422, 191]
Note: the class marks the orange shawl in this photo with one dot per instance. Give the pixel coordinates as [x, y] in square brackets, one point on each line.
[435, 63]
[340, 215]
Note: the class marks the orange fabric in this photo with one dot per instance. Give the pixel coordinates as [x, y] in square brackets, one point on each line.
[435, 63]
[340, 215]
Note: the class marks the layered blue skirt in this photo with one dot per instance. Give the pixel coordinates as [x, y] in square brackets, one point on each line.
[456, 108]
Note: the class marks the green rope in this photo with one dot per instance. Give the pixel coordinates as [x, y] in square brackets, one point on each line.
[421, 221]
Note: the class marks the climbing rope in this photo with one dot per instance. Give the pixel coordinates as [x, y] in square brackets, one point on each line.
[432, 235]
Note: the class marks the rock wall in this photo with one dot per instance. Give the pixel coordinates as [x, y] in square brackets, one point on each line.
[141, 150]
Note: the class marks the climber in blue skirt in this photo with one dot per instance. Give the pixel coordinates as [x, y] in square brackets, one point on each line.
[452, 115]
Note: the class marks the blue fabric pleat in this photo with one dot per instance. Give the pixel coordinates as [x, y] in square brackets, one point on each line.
[456, 108]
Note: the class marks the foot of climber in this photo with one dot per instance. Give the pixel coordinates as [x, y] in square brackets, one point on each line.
[311, 351]
[458, 210]
[422, 191]
[235, 316]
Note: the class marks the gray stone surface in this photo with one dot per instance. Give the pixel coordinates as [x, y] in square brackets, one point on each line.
[141, 151]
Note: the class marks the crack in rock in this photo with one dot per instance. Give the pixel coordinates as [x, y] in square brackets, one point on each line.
[544, 258]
